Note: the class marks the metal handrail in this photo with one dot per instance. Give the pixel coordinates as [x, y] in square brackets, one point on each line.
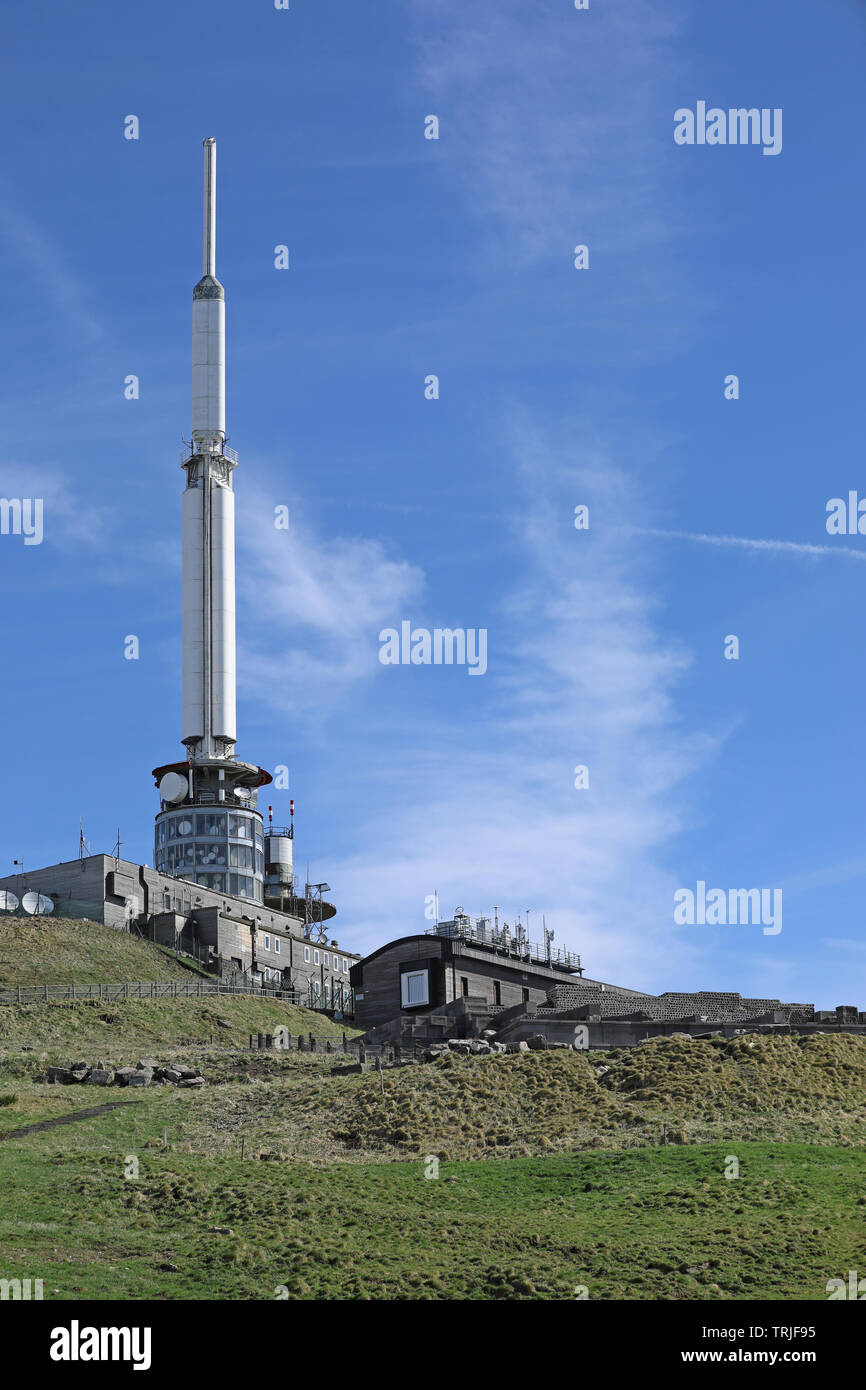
[522, 950]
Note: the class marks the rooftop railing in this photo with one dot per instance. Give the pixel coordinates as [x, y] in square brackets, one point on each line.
[507, 944]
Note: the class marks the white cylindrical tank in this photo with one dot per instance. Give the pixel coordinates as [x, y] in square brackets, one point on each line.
[278, 856]
[223, 609]
[209, 365]
[192, 614]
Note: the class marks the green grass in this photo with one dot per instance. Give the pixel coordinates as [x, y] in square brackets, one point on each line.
[115, 1029]
[652, 1224]
[552, 1170]
[59, 951]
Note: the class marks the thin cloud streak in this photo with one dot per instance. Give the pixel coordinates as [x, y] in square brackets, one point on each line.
[748, 543]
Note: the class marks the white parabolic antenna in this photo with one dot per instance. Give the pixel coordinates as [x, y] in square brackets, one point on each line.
[173, 787]
[8, 901]
[36, 903]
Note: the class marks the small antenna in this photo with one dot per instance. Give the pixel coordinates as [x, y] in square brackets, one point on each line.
[118, 842]
[209, 233]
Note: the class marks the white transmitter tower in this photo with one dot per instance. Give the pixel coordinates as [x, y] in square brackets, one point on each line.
[209, 829]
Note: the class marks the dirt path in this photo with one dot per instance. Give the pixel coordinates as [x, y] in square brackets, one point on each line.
[68, 1119]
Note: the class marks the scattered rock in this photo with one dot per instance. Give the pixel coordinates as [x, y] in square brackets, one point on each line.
[191, 1081]
[517, 1047]
[224, 1023]
[149, 1064]
[537, 1043]
[101, 1076]
[220, 1231]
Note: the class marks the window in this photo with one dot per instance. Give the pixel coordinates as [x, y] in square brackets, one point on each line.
[216, 881]
[307, 954]
[415, 988]
[464, 984]
[277, 945]
[210, 826]
[345, 966]
[497, 992]
[267, 974]
[267, 943]
[210, 854]
[315, 958]
[525, 996]
[327, 961]
[240, 827]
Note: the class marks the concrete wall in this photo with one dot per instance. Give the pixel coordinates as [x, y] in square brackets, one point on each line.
[99, 886]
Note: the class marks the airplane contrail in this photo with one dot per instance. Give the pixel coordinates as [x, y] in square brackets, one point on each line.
[746, 543]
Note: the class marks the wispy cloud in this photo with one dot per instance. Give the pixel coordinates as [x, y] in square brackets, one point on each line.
[315, 606]
[46, 261]
[845, 552]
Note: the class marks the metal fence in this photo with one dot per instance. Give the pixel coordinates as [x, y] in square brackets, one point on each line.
[151, 989]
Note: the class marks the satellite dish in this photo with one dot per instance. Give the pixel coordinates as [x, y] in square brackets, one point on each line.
[242, 793]
[35, 903]
[8, 901]
[173, 787]
[184, 827]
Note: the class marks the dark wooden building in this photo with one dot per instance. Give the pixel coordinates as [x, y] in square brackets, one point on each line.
[420, 974]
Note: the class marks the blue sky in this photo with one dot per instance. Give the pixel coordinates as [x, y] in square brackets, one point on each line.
[558, 387]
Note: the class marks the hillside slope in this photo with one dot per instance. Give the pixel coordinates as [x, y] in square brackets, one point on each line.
[59, 951]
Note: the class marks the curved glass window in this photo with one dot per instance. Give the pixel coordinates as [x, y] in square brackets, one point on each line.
[217, 881]
[210, 854]
[204, 844]
[240, 826]
[210, 826]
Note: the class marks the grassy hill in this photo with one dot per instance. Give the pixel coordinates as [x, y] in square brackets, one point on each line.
[557, 1169]
[649, 1224]
[60, 951]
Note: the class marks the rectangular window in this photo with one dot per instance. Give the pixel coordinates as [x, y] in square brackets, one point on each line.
[345, 966]
[210, 826]
[415, 988]
[464, 985]
[327, 961]
[497, 992]
[525, 996]
[277, 945]
[267, 943]
[267, 974]
[315, 958]
[307, 954]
